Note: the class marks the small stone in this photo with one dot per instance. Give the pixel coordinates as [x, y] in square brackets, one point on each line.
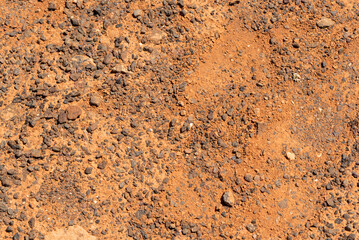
[273, 41]
[348, 227]
[102, 165]
[97, 12]
[330, 202]
[14, 145]
[137, 13]
[188, 151]
[156, 36]
[183, 12]
[180, 3]
[35, 153]
[325, 22]
[5, 182]
[283, 204]
[183, 112]
[248, 178]
[75, 22]
[251, 228]
[108, 59]
[73, 112]
[83, 60]
[75, 76]
[124, 56]
[62, 118]
[92, 127]
[32, 222]
[295, 43]
[88, 170]
[297, 77]
[122, 184]
[119, 68]
[56, 148]
[228, 199]
[95, 100]
[351, 236]
[329, 186]
[52, 6]
[16, 236]
[290, 156]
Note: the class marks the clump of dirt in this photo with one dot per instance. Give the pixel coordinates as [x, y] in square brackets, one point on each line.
[179, 119]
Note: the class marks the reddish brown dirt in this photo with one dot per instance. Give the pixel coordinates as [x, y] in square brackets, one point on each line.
[179, 119]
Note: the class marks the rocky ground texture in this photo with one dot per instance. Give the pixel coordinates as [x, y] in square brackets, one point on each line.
[176, 119]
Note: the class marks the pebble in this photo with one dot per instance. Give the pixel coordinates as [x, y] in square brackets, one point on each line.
[108, 59]
[75, 22]
[295, 43]
[325, 22]
[73, 112]
[75, 76]
[283, 204]
[92, 127]
[95, 100]
[248, 178]
[32, 222]
[330, 202]
[290, 156]
[297, 77]
[137, 13]
[251, 228]
[156, 36]
[84, 61]
[351, 236]
[228, 199]
[102, 165]
[88, 170]
[119, 68]
[52, 6]
[16, 236]
[62, 118]
[35, 153]
[5, 182]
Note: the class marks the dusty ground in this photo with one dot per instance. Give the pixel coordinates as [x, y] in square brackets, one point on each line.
[179, 119]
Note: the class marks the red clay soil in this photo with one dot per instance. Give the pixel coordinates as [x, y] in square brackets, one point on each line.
[179, 119]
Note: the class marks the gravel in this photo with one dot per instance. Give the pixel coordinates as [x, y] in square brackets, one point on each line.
[113, 120]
